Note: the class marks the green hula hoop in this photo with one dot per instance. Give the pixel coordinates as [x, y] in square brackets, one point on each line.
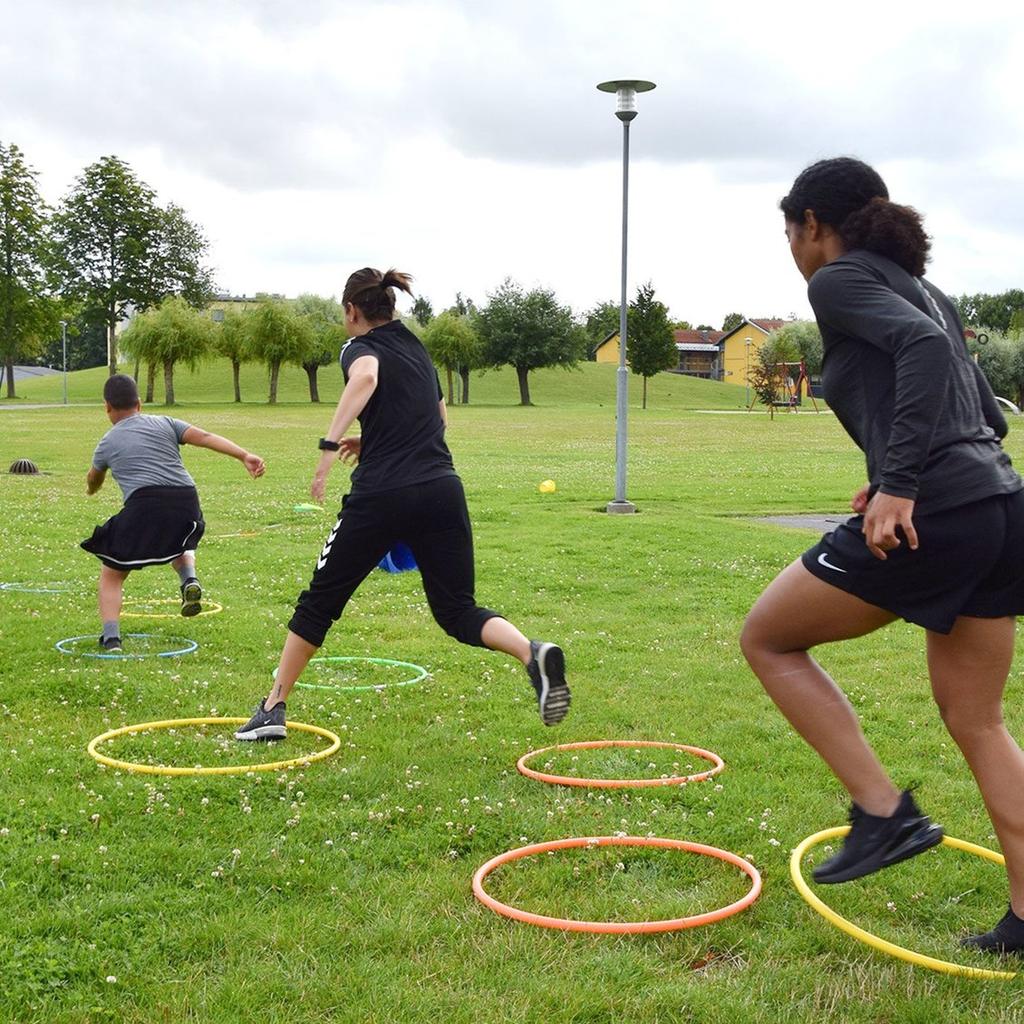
[421, 673]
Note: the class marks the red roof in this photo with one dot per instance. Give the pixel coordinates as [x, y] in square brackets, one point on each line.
[698, 337]
[769, 325]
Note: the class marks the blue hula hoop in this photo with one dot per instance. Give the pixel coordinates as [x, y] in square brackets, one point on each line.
[190, 646]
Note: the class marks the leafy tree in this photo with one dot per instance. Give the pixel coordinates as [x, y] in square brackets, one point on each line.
[87, 344]
[732, 321]
[765, 376]
[279, 335]
[992, 312]
[703, 327]
[466, 307]
[326, 320]
[177, 267]
[170, 333]
[232, 340]
[528, 331]
[107, 234]
[799, 339]
[650, 344]
[600, 321]
[27, 316]
[681, 325]
[1016, 328]
[422, 310]
[452, 343]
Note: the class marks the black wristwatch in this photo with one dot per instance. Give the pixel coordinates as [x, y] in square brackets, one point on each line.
[328, 446]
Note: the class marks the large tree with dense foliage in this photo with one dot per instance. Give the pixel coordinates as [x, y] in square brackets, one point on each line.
[278, 335]
[801, 339]
[27, 315]
[650, 343]
[990, 312]
[326, 320]
[106, 237]
[528, 330]
[168, 334]
[118, 253]
[732, 321]
[599, 321]
[452, 343]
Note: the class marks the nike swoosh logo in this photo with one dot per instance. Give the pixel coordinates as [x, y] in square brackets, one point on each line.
[823, 560]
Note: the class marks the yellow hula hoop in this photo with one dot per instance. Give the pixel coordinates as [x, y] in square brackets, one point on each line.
[209, 608]
[235, 769]
[889, 948]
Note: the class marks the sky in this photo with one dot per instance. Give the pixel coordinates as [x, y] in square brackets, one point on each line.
[465, 142]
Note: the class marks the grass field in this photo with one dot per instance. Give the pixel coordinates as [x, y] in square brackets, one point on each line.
[341, 891]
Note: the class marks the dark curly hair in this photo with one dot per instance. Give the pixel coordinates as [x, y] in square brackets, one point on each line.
[373, 293]
[851, 197]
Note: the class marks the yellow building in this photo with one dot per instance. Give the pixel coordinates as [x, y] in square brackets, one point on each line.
[739, 348]
[608, 350]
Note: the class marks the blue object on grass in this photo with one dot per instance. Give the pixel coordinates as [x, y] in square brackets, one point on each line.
[398, 559]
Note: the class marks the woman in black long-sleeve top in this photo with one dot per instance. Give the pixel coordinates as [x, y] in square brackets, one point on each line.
[938, 538]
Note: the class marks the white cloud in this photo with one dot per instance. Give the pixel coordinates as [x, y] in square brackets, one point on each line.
[465, 141]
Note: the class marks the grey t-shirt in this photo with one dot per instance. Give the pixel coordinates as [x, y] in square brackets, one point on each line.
[142, 451]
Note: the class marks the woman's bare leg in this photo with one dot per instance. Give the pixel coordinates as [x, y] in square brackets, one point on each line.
[796, 612]
[968, 670]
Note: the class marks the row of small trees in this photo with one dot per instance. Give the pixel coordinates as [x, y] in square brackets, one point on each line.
[307, 332]
[528, 330]
[109, 247]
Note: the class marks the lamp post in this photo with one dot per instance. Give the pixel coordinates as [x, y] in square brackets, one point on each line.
[64, 349]
[746, 370]
[625, 91]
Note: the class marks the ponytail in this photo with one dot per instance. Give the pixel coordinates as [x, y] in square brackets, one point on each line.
[373, 292]
[894, 231]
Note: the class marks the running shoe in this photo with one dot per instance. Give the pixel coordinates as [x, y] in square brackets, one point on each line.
[874, 843]
[547, 674]
[191, 596]
[264, 725]
[1006, 937]
[111, 644]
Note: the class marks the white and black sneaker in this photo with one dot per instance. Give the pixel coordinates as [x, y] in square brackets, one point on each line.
[191, 598]
[264, 725]
[547, 673]
[110, 644]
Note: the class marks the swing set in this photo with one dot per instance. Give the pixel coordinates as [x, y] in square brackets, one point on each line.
[787, 394]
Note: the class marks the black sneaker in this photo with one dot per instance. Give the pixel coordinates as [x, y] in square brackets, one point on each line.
[264, 725]
[1006, 937]
[547, 673]
[874, 843]
[111, 644]
[191, 595]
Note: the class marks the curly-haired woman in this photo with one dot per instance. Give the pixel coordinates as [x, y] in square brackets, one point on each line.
[938, 539]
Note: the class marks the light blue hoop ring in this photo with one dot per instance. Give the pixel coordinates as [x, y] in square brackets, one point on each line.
[419, 669]
[190, 646]
[27, 588]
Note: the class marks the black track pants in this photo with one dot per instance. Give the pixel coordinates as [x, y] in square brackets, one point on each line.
[433, 520]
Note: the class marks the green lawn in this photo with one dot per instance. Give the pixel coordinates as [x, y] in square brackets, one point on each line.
[341, 891]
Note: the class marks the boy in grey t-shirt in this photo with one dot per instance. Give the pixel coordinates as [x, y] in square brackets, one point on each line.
[161, 520]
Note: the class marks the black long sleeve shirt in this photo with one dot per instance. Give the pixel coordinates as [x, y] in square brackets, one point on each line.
[898, 375]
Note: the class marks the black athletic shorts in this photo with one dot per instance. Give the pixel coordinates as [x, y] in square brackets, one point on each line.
[157, 525]
[969, 561]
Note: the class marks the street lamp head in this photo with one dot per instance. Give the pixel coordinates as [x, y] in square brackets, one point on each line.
[63, 323]
[625, 90]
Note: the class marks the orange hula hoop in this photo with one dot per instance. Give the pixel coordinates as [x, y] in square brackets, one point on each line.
[567, 780]
[617, 927]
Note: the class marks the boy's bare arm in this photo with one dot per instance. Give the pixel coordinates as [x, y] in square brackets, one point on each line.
[94, 479]
[204, 439]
